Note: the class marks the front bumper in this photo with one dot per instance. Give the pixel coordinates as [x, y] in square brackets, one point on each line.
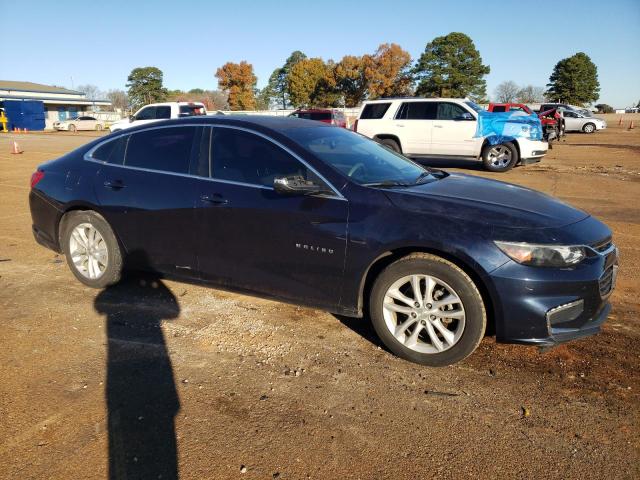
[532, 149]
[548, 306]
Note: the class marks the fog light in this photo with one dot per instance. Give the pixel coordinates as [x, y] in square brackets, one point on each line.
[565, 313]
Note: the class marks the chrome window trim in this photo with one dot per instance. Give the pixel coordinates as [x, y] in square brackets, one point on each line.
[89, 157]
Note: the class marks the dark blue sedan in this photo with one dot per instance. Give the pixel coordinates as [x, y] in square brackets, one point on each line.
[320, 216]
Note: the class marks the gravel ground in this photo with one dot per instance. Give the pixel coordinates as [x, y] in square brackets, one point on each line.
[208, 384]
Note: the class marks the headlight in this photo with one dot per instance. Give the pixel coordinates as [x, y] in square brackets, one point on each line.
[542, 255]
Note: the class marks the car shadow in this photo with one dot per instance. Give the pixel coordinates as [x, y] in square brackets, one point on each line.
[141, 396]
[363, 327]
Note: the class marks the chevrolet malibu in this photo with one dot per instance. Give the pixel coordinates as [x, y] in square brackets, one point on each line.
[316, 215]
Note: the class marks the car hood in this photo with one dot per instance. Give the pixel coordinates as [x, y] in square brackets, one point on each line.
[486, 201]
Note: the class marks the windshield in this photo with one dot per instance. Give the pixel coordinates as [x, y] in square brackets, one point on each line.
[474, 106]
[361, 159]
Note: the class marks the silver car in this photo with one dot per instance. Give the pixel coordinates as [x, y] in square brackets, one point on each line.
[578, 122]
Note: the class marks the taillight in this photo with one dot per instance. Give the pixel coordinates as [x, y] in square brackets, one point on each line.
[355, 125]
[36, 177]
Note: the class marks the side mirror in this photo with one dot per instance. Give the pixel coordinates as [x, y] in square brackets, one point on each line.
[132, 118]
[295, 185]
[464, 116]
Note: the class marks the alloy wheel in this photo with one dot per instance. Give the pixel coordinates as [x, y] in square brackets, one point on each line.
[88, 251]
[424, 313]
[500, 156]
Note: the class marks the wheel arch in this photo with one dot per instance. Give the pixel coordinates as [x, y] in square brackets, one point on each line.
[389, 136]
[475, 272]
[79, 207]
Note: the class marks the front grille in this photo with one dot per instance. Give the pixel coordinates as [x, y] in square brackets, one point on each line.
[606, 282]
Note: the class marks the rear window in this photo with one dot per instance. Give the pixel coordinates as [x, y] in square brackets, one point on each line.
[417, 111]
[374, 111]
[112, 151]
[499, 108]
[191, 110]
[165, 149]
[318, 116]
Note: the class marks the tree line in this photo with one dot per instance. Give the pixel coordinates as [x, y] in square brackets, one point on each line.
[449, 66]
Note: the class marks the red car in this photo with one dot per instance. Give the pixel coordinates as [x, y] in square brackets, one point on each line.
[552, 126]
[326, 115]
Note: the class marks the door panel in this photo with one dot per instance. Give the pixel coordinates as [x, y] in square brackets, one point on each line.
[414, 125]
[290, 247]
[454, 137]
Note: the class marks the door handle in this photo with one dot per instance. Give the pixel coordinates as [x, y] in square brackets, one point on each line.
[437, 126]
[114, 184]
[214, 198]
[398, 125]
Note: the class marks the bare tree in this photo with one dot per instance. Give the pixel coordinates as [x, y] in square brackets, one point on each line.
[118, 99]
[507, 92]
[91, 91]
[531, 94]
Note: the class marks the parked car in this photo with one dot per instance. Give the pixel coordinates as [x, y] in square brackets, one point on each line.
[565, 106]
[552, 124]
[441, 127]
[160, 111]
[79, 123]
[320, 216]
[326, 115]
[577, 122]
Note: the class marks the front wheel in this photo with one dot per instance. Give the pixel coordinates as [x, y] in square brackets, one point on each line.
[427, 310]
[91, 248]
[589, 128]
[392, 144]
[499, 158]
[72, 128]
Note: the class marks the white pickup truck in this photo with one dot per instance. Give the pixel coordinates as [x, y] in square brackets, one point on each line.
[425, 128]
[159, 111]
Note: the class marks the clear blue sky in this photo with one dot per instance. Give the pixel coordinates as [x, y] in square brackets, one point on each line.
[99, 42]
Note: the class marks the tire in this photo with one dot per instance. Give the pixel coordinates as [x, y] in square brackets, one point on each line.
[465, 332]
[589, 128]
[392, 144]
[98, 127]
[104, 246]
[72, 128]
[499, 158]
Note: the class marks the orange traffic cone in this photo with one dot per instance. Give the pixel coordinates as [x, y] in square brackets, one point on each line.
[16, 148]
[631, 125]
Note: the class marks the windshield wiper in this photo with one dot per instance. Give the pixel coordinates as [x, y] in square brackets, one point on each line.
[386, 184]
[423, 175]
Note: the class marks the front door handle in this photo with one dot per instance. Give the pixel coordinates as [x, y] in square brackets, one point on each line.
[399, 125]
[214, 198]
[437, 126]
[114, 184]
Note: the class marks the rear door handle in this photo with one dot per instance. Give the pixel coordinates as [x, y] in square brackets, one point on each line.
[437, 126]
[399, 125]
[114, 184]
[214, 198]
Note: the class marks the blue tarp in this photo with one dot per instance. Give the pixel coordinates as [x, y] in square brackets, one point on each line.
[500, 127]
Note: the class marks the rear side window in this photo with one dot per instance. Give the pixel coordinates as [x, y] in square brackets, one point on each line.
[163, 112]
[240, 156]
[499, 108]
[374, 111]
[417, 111]
[165, 149]
[191, 110]
[449, 111]
[318, 116]
[112, 151]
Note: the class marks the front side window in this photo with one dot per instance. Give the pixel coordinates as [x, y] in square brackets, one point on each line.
[366, 162]
[417, 111]
[147, 113]
[164, 149]
[244, 157]
[449, 111]
[191, 110]
[111, 151]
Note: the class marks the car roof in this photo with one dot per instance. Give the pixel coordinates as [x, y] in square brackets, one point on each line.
[320, 110]
[415, 99]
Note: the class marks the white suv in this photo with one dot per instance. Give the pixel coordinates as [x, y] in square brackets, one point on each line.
[442, 128]
[160, 111]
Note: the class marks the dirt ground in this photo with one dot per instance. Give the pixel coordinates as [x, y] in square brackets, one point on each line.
[214, 385]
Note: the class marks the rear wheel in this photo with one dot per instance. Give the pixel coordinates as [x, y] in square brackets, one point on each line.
[499, 158]
[589, 128]
[427, 310]
[91, 248]
[72, 128]
[392, 144]
[98, 127]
